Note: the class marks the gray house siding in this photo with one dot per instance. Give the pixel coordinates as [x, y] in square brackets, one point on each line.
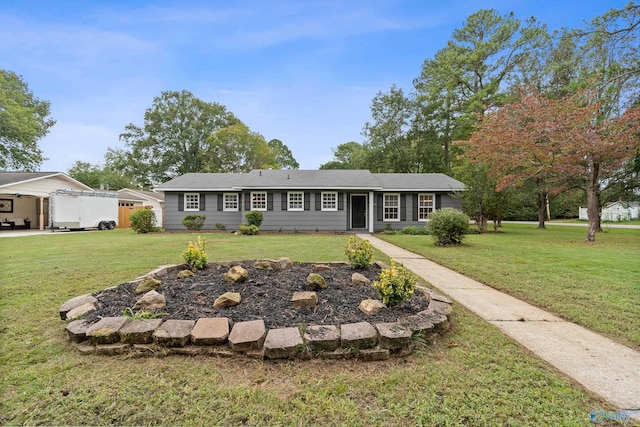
[408, 209]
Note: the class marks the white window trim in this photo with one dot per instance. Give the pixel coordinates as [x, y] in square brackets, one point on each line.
[186, 196]
[433, 205]
[253, 208]
[335, 200]
[299, 193]
[224, 202]
[384, 207]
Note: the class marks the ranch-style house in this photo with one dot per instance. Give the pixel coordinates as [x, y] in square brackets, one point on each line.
[309, 200]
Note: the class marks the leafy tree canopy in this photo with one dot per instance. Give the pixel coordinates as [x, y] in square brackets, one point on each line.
[24, 120]
[96, 177]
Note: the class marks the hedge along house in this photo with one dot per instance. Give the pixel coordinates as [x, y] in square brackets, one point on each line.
[309, 200]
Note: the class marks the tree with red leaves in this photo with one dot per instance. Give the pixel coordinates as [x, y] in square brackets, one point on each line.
[556, 144]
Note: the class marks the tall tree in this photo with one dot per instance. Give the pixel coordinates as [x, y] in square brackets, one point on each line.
[24, 120]
[558, 144]
[282, 155]
[349, 155]
[96, 176]
[173, 139]
[235, 148]
[468, 75]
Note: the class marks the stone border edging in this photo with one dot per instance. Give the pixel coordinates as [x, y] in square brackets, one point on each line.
[213, 336]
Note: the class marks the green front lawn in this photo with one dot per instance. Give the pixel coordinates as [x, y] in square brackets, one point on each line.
[597, 286]
[473, 375]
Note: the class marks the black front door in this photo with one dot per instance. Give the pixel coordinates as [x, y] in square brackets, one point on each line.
[358, 211]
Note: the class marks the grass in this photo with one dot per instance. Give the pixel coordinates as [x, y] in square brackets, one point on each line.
[473, 375]
[596, 285]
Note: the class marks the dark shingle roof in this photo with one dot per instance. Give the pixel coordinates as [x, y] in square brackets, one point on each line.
[311, 179]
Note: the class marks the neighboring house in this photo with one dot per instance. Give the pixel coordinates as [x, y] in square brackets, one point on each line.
[615, 211]
[130, 200]
[24, 197]
[309, 200]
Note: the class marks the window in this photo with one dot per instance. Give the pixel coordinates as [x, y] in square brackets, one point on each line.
[296, 201]
[230, 202]
[259, 201]
[425, 206]
[330, 201]
[192, 202]
[392, 207]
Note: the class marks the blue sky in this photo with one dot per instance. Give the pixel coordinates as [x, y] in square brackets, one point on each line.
[304, 72]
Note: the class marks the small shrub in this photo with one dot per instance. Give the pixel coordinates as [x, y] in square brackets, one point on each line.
[249, 230]
[254, 218]
[396, 284]
[448, 226]
[358, 252]
[143, 221]
[194, 222]
[140, 315]
[415, 230]
[196, 254]
[220, 226]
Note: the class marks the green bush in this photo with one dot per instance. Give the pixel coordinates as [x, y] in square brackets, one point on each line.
[194, 222]
[248, 230]
[415, 230]
[448, 226]
[143, 221]
[221, 226]
[358, 252]
[396, 284]
[254, 218]
[196, 254]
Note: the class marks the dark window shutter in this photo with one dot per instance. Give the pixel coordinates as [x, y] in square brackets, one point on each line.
[318, 201]
[180, 201]
[415, 207]
[285, 201]
[403, 207]
[340, 201]
[438, 201]
[220, 201]
[380, 208]
[307, 201]
[202, 200]
[247, 201]
[269, 201]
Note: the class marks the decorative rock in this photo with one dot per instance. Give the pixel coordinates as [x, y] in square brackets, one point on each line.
[184, 274]
[371, 306]
[139, 331]
[439, 320]
[86, 349]
[228, 299]
[274, 264]
[151, 300]
[322, 338]
[419, 324]
[210, 331]
[283, 343]
[174, 333]
[304, 299]
[316, 282]
[337, 354]
[235, 274]
[438, 297]
[440, 307]
[111, 349]
[81, 311]
[374, 354]
[320, 267]
[381, 265]
[148, 284]
[77, 330]
[162, 270]
[360, 279]
[76, 302]
[105, 331]
[393, 335]
[247, 336]
[358, 335]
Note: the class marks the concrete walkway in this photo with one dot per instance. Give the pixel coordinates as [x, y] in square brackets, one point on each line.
[602, 366]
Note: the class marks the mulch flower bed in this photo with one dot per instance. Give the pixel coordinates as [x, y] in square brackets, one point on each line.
[266, 294]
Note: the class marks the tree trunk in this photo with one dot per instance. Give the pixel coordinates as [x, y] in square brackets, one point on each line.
[542, 209]
[593, 203]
